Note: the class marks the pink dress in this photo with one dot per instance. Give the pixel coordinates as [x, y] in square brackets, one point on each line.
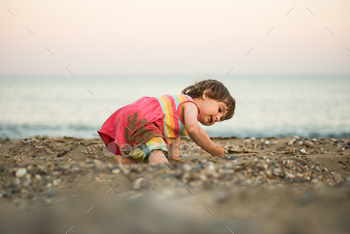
[144, 119]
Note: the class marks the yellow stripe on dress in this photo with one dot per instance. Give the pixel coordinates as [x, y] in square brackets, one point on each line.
[169, 119]
[181, 99]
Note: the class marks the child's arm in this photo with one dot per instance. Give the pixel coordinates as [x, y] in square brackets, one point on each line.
[196, 133]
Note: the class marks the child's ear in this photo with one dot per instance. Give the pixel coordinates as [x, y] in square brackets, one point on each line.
[205, 94]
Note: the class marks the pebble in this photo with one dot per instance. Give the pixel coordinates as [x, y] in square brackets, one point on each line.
[194, 159]
[21, 172]
[291, 142]
[231, 158]
[276, 171]
[308, 143]
[211, 166]
[228, 165]
[140, 183]
[267, 142]
[303, 151]
[7, 139]
[116, 170]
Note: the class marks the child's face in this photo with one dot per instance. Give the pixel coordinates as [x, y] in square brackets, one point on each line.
[212, 111]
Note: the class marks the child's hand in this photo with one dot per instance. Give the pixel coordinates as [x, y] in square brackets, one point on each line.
[218, 151]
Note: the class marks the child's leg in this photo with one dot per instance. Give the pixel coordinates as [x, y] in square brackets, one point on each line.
[157, 157]
[173, 149]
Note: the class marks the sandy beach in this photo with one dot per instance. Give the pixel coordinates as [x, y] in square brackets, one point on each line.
[67, 184]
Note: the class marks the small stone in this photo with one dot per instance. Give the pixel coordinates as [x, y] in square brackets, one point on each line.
[303, 151]
[296, 137]
[290, 175]
[140, 183]
[7, 139]
[228, 165]
[231, 158]
[186, 167]
[33, 156]
[267, 142]
[194, 159]
[211, 166]
[300, 142]
[115, 171]
[276, 171]
[291, 142]
[263, 167]
[21, 172]
[308, 143]
[314, 140]
[37, 176]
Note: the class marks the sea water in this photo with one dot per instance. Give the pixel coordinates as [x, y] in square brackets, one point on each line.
[266, 105]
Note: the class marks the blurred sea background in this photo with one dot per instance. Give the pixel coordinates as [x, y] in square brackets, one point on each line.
[267, 105]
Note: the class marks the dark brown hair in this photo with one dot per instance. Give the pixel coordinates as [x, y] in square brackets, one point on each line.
[217, 92]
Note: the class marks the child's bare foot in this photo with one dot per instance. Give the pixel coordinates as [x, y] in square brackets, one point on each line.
[126, 160]
[175, 161]
[157, 157]
[174, 157]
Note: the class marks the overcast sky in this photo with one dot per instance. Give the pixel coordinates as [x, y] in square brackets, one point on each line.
[184, 36]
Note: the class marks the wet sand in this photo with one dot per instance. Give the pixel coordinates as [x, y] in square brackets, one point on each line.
[286, 185]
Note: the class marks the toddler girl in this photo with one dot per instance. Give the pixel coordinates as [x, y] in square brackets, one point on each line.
[149, 129]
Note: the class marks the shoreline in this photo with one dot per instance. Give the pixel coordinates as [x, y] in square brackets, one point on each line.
[282, 185]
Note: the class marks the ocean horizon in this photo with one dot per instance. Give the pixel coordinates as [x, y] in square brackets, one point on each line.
[304, 105]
